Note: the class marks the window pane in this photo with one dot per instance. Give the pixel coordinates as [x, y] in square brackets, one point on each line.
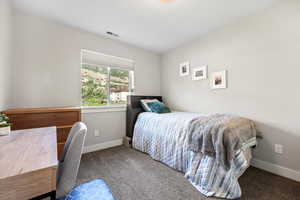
[94, 85]
[119, 86]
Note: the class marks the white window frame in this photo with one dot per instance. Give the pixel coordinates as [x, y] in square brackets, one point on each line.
[108, 107]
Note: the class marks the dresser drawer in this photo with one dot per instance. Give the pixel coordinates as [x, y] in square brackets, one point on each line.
[63, 133]
[38, 120]
[60, 149]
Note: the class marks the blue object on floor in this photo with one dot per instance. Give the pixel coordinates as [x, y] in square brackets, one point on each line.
[93, 190]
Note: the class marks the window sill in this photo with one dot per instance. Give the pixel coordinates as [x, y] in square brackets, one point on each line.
[102, 109]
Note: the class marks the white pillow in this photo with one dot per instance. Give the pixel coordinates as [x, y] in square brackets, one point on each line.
[144, 104]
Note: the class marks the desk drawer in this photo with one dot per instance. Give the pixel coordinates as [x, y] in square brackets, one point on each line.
[29, 185]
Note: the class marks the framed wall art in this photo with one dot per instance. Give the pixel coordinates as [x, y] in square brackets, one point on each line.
[219, 80]
[184, 68]
[199, 73]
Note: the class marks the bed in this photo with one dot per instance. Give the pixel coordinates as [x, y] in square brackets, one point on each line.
[169, 137]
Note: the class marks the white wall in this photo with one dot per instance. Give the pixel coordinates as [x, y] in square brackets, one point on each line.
[47, 70]
[261, 54]
[5, 52]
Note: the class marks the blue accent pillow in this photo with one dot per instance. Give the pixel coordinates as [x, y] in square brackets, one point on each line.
[158, 107]
[145, 105]
[93, 190]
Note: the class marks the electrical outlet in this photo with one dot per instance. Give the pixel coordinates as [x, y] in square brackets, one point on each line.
[97, 133]
[278, 149]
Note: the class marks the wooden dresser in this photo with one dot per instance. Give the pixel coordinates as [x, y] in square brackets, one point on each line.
[62, 118]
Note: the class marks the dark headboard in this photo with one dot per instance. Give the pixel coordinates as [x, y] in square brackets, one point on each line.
[134, 108]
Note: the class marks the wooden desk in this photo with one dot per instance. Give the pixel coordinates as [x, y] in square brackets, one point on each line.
[28, 163]
[62, 118]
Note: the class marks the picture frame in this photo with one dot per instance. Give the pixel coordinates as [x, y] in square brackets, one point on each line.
[184, 68]
[200, 73]
[219, 80]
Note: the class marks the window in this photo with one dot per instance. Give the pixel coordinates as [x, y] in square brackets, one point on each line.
[103, 83]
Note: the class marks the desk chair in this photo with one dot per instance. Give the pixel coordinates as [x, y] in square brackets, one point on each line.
[68, 169]
[70, 160]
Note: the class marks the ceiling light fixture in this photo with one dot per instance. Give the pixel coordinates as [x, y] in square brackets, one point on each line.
[165, 1]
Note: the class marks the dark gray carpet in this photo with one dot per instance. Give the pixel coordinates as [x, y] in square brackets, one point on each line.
[133, 175]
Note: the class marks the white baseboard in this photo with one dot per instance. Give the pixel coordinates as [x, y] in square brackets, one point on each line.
[276, 169]
[104, 145]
